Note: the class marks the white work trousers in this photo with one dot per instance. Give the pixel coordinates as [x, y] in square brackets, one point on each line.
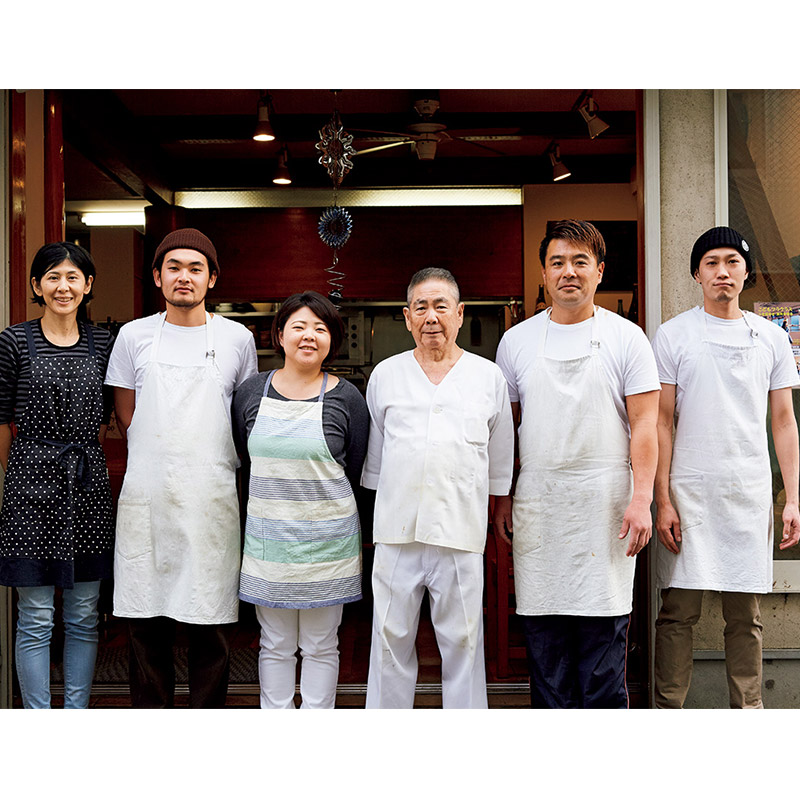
[454, 580]
[315, 631]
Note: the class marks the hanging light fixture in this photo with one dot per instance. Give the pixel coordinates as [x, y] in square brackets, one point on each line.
[587, 110]
[560, 171]
[263, 131]
[282, 176]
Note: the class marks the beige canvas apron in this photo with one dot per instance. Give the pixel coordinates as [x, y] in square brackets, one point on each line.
[177, 547]
[574, 486]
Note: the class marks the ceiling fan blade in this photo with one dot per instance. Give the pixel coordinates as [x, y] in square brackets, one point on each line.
[380, 133]
[493, 137]
[383, 147]
[469, 140]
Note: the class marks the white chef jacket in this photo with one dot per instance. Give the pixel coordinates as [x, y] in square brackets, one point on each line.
[436, 452]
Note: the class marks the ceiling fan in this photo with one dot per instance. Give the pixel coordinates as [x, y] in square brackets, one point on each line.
[425, 136]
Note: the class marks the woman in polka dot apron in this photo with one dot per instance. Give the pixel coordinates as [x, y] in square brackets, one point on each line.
[56, 522]
[306, 435]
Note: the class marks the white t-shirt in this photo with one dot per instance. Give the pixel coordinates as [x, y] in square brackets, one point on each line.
[675, 346]
[625, 354]
[234, 347]
[436, 452]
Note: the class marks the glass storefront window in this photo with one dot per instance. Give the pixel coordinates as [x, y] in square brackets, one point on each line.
[764, 206]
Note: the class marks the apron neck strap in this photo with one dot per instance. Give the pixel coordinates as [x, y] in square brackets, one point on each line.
[161, 321]
[595, 341]
[268, 381]
[89, 336]
[32, 342]
[321, 393]
[753, 332]
[29, 338]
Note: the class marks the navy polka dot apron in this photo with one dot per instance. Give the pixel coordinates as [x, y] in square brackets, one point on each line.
[56, 524]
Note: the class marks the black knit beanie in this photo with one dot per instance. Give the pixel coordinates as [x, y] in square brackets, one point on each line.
[719, 237]
[189, 239]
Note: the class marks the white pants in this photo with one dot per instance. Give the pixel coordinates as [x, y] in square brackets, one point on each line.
[454, 580]
[315, 632]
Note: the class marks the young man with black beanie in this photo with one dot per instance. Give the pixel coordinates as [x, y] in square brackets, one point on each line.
[720, 369]
[177, 541]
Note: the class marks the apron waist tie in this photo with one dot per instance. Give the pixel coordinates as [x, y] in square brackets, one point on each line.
[83, 472]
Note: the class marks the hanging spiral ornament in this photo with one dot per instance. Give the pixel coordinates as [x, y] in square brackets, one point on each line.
[336, 148]
[334, 229]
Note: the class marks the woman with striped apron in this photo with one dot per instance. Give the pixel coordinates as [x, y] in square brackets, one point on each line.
[302, 550]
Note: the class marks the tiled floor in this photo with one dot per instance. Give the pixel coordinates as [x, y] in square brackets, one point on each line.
[354, 640]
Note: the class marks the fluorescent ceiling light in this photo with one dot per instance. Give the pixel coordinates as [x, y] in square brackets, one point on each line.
[321, 198]
[119, 219]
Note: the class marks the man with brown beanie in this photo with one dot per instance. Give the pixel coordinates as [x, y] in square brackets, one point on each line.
[720, 369]
[177, 545]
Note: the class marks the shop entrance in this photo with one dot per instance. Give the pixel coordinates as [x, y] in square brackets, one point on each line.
[178, 144]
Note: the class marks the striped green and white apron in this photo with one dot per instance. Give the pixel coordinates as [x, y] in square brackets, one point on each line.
[302, 546]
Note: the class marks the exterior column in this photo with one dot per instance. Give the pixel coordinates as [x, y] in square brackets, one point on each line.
[688, 189]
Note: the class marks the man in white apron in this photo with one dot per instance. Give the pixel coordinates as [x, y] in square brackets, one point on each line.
[441, 441]
[177, 550]
[720, 368]
[584, 384]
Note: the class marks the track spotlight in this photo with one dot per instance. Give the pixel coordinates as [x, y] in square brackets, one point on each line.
[560, 171]
[587, 110]
[282, 176]
[263, 131]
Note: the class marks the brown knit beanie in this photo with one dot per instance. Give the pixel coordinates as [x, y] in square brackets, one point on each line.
[189, 239]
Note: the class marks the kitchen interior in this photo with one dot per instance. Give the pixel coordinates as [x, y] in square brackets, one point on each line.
[464, 179]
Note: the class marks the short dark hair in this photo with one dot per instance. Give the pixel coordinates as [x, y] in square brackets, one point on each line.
[55, 253]
[432, 274]
[577, 231]
[320, 306]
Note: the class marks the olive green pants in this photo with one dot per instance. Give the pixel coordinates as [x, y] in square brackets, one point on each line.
[680, 610]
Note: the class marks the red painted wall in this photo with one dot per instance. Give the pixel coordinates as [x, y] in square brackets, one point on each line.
[267, 254]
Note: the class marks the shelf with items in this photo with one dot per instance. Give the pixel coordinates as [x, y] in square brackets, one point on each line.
[259, 323]
[351, 353]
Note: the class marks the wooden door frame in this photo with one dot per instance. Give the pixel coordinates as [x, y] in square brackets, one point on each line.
[13, 165]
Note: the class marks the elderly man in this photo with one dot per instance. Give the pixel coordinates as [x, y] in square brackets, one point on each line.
[584, 383]
[441, 441]
[720, 369]
[177, 548]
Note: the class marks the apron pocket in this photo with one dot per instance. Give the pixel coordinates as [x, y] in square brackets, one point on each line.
[134, 536]
[527, 527]
[688, 498]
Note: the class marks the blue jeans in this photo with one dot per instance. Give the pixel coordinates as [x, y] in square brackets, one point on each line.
[32, 649]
